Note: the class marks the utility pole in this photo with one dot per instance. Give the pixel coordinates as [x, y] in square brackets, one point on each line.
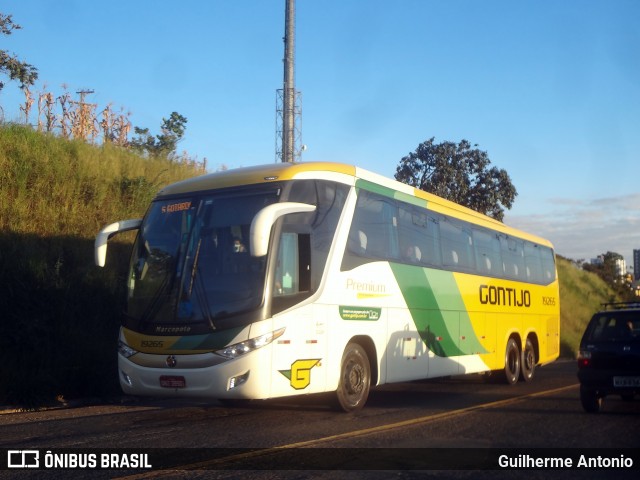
[83, 125]
[288, 111]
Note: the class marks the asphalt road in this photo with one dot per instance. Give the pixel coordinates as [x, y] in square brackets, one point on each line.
[446, 428]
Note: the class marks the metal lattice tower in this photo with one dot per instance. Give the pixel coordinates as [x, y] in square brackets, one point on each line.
[288, 99]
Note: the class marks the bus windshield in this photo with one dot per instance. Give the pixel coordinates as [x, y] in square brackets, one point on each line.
[191, 262]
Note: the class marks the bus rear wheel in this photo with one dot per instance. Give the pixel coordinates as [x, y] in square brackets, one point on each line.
[512, 362]
[355, 379]
[528, 365]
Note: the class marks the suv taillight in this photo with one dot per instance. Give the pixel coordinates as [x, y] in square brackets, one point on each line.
[584, 359]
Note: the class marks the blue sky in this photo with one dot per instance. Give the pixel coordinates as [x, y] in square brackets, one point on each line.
[549, 89]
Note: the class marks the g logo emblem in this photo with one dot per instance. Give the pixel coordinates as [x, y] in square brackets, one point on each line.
[300, 373]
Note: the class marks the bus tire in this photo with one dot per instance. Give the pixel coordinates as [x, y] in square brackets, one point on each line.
[355, 379]
[512, 362]
[528, 363]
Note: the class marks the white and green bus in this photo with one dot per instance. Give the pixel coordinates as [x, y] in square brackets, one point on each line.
[292, 279]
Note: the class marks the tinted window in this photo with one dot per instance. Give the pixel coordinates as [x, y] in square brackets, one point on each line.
[418, 234]
[191, 262]
[373, 234]
[488, 253]
[513, 258]
[387, 229]
[457, 245]
[305, 240]
[614, 326]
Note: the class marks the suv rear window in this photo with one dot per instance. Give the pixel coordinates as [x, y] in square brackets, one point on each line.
[614, 326]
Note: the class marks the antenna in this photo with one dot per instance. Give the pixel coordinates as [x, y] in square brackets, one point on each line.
[288, 109]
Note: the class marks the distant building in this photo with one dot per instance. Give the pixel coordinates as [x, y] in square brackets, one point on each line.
[621, 267]
[636, 265]
[619, 264]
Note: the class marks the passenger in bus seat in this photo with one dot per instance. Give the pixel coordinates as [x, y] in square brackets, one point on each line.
[358, 242]
[413, 254]
[487, 262]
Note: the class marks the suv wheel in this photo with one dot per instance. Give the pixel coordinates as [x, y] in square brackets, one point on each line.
[591, 401]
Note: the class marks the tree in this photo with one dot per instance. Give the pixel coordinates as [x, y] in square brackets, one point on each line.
[9, 64]
[609, 271]
[165, 144]
[606, 268]
[458, 173]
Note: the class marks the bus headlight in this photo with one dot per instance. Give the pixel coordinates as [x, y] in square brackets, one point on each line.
[125, 350]
[239, 349]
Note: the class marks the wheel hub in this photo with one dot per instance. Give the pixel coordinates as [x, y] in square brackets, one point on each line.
[355, 378]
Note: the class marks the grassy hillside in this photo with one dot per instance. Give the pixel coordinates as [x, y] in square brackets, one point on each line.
[59, 313]
[581, 294]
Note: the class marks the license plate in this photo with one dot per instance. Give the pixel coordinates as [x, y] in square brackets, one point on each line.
[626, 382]
[172, 381]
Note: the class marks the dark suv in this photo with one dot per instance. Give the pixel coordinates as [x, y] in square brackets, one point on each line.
[609, 358]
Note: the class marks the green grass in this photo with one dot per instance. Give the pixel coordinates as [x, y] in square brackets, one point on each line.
[581, 294]
[59, 313]
[53, 186]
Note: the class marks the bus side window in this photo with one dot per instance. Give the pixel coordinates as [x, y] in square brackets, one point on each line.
[457, 246]
[293, 272]
[487, 249]
[513, 257]
[357, 242]
[533, 262]
[373, 234]
[548, 265]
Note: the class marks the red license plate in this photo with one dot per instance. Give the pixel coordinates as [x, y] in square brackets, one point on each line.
[172, 381]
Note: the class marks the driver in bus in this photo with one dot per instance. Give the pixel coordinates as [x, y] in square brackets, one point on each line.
[238, 247]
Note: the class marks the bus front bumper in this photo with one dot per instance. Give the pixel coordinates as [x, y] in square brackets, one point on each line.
[241, 378]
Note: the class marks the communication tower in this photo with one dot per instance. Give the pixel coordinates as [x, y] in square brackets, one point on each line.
[288, 99]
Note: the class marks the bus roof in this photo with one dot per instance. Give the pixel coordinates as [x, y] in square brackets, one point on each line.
[254, 175]
[342, 173]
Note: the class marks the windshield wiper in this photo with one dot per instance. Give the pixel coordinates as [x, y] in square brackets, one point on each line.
[155, 301]
[200, 291]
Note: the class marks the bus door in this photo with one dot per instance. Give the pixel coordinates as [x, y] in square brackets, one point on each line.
[299, 353]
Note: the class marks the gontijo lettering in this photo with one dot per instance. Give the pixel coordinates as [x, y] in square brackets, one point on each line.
[511, 297]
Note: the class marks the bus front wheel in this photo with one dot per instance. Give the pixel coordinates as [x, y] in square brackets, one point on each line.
[512, 362]
[355, 379]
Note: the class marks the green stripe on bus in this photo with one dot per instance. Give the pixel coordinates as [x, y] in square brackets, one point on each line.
[437, 309]
[390, 193]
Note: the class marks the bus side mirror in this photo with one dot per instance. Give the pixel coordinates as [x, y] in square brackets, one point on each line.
[264, 220]
[100, 245]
